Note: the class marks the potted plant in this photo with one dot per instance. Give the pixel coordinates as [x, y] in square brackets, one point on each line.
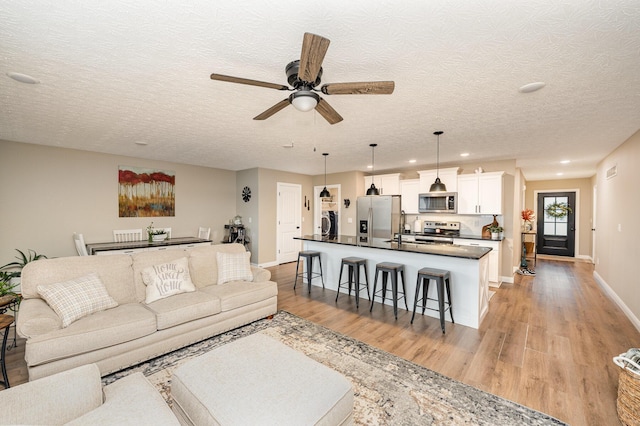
[156, 235]
[14, 269]
[495, 231]
[7, 293]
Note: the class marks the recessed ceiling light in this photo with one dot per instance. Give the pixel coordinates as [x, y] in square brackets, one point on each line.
[532, 87]
[565, 161]
[23, 78]
[559, 174]
[142, 143]
[412, 160]
[464, 154]
[369, 166]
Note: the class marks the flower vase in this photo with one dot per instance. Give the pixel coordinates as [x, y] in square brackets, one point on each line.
[527, 227]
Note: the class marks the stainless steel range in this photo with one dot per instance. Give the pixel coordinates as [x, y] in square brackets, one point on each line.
[438, 232]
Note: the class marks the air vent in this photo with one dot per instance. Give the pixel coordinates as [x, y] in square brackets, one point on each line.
[611, 172]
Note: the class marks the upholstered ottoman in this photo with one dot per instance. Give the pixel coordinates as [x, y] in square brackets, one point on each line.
[257, 380]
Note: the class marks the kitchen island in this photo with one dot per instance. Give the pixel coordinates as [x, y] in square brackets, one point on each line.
[468, 266]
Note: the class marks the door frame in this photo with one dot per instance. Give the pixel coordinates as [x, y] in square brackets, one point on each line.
[576, 242]
[279, 257]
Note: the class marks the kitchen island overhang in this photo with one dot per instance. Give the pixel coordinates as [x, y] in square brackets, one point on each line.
[469, 268]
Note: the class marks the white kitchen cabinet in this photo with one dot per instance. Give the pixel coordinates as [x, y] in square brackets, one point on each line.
[480, 193]
[447, 176]
[410, 189]
[495, 257]
[387, 184]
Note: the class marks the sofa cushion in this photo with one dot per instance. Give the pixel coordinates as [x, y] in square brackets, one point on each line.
[167, 279]
[131, 400]
[204, 263]
[77, 298]
[99, 330]
[234, 267]
[113, 270]
[146, 259]
[236, 294]
[185, 307]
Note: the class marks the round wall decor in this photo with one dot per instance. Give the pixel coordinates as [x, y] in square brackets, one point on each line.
[246, 194]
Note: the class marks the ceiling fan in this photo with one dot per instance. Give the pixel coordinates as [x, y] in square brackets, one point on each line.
[304, 75]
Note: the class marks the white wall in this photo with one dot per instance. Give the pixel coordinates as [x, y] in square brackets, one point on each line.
[48, 193]
[617, 231]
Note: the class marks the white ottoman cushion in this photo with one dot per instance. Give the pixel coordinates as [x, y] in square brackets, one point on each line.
[257, 380]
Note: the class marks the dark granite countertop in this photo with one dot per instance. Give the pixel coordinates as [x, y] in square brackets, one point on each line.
[452, 250]
[96, 247]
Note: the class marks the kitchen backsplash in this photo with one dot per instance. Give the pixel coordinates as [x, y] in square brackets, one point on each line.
[468, 224]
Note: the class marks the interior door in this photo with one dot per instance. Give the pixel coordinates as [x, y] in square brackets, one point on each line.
[289, 216]
[556, 235]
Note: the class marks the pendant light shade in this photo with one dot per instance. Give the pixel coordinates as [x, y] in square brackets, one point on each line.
[438, 186]
[372, 189]
[325, 192]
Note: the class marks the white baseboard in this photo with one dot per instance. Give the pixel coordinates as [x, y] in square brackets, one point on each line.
[585, 257]
[634, 319]
[509, 279]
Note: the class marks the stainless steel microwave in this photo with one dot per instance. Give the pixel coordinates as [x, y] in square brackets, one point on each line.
[438, 202]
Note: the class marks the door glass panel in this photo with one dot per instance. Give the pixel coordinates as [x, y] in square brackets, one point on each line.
[561, 229]
[555, 225]
[549, 228]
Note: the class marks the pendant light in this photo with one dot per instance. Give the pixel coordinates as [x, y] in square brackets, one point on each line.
[325, 192]
[372, 189]
[438, 186]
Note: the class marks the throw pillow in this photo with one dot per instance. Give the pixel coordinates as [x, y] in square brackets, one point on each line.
[234, 267]
[167, 279]
[77, 298]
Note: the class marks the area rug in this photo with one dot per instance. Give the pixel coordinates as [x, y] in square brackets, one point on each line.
[388, 390]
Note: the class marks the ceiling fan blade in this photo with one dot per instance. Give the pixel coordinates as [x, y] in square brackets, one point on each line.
[360, 88]
[314, 47]
[277, 107]
[328, 112]
[239, 80]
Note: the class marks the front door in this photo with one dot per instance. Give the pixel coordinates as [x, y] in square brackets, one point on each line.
[556, 226]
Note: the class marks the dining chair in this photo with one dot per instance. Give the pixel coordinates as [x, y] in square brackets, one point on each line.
[124, 235]
[81, 247]
[204, 233]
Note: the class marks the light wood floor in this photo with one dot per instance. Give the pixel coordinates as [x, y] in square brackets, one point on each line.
[546, 343]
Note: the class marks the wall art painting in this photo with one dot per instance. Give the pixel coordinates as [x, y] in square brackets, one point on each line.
[146, 192]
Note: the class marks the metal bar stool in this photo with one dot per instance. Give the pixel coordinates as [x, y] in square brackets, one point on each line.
[389, 268]
[442, 279]
[308, 257]
[5, 323]
[354, 264]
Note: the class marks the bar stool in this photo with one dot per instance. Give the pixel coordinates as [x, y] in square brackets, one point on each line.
[5, 323]
[389, 268]
[308, 256]
[354, 264]
[442, 279]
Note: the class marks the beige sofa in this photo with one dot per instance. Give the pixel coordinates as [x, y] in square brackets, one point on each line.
[76, 397]
[135, 331]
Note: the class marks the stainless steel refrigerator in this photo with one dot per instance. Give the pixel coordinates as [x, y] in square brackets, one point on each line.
[378, 216]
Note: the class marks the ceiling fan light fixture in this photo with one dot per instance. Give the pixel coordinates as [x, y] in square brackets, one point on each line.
[438, 186]
[304, 100]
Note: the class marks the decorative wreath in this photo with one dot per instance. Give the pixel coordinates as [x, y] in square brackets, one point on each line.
[558, 210]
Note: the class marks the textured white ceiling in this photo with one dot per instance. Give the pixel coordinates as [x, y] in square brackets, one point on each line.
[113, 73]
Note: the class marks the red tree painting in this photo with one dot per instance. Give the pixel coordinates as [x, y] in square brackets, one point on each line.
[145, 192]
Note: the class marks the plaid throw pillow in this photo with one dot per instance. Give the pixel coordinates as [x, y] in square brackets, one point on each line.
[77, 298]
[234, 267]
